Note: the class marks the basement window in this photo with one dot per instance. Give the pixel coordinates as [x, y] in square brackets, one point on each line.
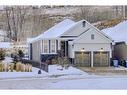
[92, 36]
[83, 23]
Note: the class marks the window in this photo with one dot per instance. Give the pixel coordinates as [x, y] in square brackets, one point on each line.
[53, 46]
[45, 46]
[83, 23]
[92, 36]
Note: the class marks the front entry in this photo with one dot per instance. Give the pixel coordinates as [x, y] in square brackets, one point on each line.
[83, 59]
[101, 59]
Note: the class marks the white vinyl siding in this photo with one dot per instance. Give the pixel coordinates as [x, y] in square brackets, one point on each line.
[53, 46]
[45, 46]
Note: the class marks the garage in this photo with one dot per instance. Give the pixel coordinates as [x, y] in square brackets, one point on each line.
[83, 59]
[101, 59]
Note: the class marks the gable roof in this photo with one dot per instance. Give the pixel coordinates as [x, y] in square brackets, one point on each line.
[91, 26]
[55, 31]
[61, 28]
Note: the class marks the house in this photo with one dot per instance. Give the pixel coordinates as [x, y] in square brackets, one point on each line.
[83, 43]
[119, 34]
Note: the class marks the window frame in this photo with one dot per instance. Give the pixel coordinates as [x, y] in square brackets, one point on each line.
[52, 45]
[92, 36]
[45, 43]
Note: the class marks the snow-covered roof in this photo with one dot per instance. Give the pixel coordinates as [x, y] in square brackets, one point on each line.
[5, 45]
[118, 33]
[59, 29]
[55, 31]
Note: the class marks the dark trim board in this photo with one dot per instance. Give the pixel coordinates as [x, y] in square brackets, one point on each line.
[68, 36]
[56, 45]
[31, 51]
[49, 45]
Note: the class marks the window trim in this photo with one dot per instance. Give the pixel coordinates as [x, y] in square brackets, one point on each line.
[51, 42]
[92, 36]
[47, 43]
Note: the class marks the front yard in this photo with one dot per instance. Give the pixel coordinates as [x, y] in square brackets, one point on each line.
[71, 78]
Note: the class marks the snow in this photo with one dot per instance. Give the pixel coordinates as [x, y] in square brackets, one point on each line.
[91, 83]
[71, 72]
[7, 60]
[71, 78]
[82, 84]
[54, 70]
[34, 73]
[5, 45]
[2, 33]
[118, 33]
[55, 31]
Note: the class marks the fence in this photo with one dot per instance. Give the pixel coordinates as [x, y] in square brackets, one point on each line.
[42, 65]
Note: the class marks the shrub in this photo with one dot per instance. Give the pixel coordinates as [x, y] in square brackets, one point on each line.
[11, 67]
[20, 53]
[54, 61]
[63, 61]
[2, 54]
[1, 67]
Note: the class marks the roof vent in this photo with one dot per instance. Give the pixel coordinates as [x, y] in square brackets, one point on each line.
[83, 23]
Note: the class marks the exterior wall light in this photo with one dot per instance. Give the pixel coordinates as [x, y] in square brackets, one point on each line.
[101, 50]
[82, 50]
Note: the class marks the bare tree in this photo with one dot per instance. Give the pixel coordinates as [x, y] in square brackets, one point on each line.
[7, 19]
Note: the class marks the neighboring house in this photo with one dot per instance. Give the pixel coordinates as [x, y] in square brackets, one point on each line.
[119, 34]
[83, 43]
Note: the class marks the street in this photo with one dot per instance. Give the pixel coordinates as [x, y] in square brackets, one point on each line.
[114, 82]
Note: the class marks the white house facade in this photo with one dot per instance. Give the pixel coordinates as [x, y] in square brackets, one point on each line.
[81, 42]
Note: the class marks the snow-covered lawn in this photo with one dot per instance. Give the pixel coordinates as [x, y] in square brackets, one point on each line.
[71, 78]
[56, 78]
[34, 73]
[7, 60]
[54, 72]
[71, 72]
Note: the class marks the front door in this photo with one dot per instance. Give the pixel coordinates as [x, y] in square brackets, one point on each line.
[64, 48]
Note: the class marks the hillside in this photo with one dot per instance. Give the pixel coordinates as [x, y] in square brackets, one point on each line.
[21, 22]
